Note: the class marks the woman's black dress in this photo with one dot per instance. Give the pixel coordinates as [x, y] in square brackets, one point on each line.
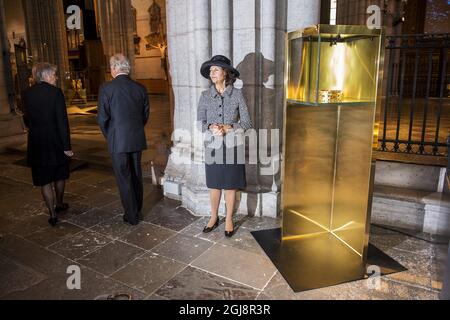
[225, 175]
[224, 159]
[223, 171]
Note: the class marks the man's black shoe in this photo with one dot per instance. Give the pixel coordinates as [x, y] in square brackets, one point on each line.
[129, 222]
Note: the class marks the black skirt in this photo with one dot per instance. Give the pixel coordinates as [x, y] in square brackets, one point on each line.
[43, 175]
[225, 168]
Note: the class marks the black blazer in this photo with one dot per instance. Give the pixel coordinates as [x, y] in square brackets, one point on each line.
[45, 115]
[123, 112]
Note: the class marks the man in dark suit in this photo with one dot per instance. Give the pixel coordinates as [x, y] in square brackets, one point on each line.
[123, 112]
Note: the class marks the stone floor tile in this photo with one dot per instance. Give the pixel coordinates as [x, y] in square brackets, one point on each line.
[149, 272]
[109, 184]
[111, 257]
[279, 289]
[152, 196]
[79, 175]
[214, 236]
[27, 253]
[401, 242]
[182, 248]
[156, 211]
[394, 290]
[169, 203]
[81, 189]
[50, 235]
[10, 188]
[243, 240]
[147, 236]
[72, 197]
[260, 223]
[156, 297]
[419, 268]
[438, 266]
[245, 267]
[33, 224]
[80, 244]
[194, 284]
[15, 276]
[196, 227]
[96, 177]
[113, 227]
[94, 286]
[165, 203]
[175, 219]
[76, 208]
[91, 218]
[22, 209]
[114, 207]
[101, 199]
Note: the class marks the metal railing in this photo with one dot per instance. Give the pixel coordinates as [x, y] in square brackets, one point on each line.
[416, 95]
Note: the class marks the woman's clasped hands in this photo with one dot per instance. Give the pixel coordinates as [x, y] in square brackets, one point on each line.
[220, 129]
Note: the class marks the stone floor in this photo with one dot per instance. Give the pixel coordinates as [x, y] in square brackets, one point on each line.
[166, 256]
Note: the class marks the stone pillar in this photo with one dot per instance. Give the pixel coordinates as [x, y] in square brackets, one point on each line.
[116, 26]
[302, 14]
[190, 44]
[221, 27]
[46, 32]
[11, 125]
[5, 107]
[252, 34]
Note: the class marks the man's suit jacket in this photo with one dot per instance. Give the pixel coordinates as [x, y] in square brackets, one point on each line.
[45, 115]
[123, 112]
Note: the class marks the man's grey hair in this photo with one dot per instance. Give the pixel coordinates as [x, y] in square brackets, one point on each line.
[120, 63]
[42, 70]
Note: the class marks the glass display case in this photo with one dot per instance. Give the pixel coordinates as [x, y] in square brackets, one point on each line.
[333, 74]
[332, 99]
[334, 64]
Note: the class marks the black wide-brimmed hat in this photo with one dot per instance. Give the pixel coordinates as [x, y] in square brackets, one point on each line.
[218, 61]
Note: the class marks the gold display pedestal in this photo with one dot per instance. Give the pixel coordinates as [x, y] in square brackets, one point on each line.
[321, 261]
[331, 129]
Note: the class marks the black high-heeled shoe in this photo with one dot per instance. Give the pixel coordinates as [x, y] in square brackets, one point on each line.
[53, 221]
[64, 207]
[207, 229]
[229, 234]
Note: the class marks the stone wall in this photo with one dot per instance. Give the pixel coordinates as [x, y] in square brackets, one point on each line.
[251, 33]
[4, 100]
[46, 33]
[116, 25]
[148, 59]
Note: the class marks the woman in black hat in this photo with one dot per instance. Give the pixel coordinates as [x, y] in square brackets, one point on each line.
[223, 115]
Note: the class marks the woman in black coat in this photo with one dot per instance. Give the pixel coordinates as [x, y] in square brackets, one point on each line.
[49, 146]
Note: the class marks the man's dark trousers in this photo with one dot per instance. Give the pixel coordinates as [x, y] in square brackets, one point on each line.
[128, 171]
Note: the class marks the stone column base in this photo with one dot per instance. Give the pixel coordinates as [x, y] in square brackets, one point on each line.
[437, 214]
[196, 199]
[414, 210]
[12, 131]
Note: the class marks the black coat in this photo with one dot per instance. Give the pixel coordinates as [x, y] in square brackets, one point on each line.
[45, 115]
[123, 112]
